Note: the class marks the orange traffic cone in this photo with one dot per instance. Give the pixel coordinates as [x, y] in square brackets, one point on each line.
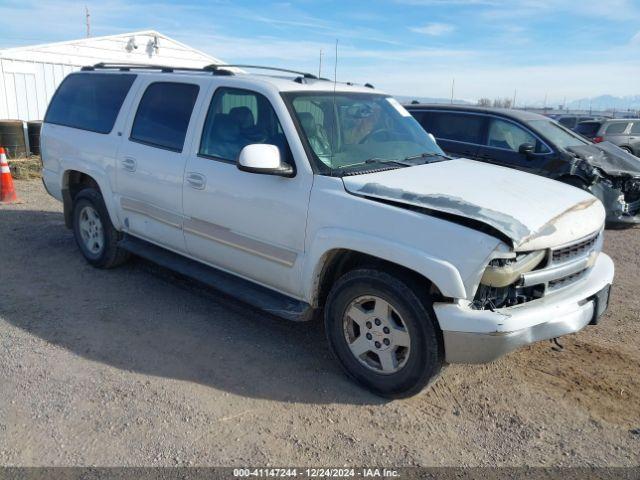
[7, 191]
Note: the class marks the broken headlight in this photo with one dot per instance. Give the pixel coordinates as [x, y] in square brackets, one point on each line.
[499, 285]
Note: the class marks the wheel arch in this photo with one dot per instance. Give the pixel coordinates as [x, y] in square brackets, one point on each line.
[74, 181]
[332, 256]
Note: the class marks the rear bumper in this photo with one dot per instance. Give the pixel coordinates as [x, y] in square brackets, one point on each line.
[480, 336]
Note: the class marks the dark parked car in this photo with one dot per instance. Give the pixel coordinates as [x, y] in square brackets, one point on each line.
[536, 144]
[624, 132]
[572, 121]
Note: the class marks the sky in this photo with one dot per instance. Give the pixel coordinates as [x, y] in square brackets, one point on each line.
[558, 49]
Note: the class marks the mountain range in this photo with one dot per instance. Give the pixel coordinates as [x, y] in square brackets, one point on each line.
[607, 102]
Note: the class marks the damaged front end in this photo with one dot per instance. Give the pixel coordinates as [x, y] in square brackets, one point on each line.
[614, 180]
[526, 276]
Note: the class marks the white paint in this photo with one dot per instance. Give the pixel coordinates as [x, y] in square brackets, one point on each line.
[310, 216]
[499, 196]
[260, 157]
[30, 75]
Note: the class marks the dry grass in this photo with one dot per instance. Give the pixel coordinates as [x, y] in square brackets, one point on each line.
[26, 168]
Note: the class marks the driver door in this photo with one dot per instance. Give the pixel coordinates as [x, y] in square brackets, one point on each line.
[252, 225]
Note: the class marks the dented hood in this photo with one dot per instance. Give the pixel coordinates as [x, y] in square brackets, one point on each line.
[608, 157]
[534, 212]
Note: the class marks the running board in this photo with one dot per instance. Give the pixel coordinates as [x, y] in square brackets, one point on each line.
[255, 295]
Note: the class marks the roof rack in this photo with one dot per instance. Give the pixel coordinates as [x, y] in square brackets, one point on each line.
[217, 67]
[125, 67]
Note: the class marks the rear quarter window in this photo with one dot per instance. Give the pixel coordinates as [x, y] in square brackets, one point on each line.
[459, 127]
[588, 129]
[89, 101]
[616, 128]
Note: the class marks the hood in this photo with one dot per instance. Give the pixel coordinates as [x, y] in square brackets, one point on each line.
[532, 211]
[609, 158]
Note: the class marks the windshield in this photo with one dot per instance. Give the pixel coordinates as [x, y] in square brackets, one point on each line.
[352, 131]
[557, 135]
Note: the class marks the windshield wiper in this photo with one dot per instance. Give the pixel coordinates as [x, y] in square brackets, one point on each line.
[382, 160]
[427, 155]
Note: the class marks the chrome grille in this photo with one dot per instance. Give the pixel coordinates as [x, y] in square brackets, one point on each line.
[565, 265]
[579, 249]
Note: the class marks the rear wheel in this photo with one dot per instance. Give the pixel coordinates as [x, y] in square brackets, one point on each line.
[94, 233]
[382, 333]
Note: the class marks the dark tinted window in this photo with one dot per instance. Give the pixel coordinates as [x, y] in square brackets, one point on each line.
[588, 129]
[454, 126]
[636, 128]
[163, 115]
[89, 101]
[616, 128]
[238, 118]
[568, 122]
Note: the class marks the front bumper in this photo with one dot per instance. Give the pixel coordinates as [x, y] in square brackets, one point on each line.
[480, 336]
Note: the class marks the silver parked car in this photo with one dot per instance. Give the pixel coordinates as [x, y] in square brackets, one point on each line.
[625, 133]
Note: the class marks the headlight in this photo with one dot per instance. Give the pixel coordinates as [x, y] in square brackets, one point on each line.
[504, 272]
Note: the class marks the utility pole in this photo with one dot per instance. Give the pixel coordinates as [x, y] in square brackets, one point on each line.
[88, 20]
[453, 86]
[320, 65]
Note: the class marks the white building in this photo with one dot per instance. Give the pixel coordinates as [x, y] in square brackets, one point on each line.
[30, 75]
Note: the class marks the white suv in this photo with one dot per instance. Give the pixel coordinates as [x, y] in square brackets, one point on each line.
[298, 195]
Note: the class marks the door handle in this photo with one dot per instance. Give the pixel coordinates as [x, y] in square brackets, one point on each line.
[129, 164]
[196, 180]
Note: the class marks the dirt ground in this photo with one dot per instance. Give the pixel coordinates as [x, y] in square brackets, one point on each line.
[136, 366]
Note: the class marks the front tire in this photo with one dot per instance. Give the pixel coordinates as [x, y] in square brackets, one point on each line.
[382, 333]
[94, 233]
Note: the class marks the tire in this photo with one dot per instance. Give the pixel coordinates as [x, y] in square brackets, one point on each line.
[94, 233]
[410, 322]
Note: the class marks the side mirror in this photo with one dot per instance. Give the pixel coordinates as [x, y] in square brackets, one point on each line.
[526, 149]
[263, 158]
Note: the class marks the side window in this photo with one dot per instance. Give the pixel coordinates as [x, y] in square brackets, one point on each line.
[509, 136]
[163, 115]
[616, 128]
[635, 130]
[89, 101]
[237, 118]
[454, 126]
[568, 122]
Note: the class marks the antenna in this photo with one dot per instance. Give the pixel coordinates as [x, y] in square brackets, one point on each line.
[335, 112]
[513, 103]
[453, 86]
[88, 20]
[320, 65]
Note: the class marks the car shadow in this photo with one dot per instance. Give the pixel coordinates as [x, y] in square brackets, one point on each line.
[146, 319]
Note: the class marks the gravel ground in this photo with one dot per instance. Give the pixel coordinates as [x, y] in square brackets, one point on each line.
[137, 366]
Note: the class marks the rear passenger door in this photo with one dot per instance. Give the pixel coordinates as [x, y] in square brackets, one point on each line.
[503, 142]
[457, 133]
[151, 161]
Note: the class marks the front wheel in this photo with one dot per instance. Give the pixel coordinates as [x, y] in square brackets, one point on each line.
[382, 333]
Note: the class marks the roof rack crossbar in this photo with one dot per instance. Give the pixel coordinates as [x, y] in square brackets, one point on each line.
[215, 67]
[140, 66]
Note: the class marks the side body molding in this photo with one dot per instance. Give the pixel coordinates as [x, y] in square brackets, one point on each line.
[443, 274]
